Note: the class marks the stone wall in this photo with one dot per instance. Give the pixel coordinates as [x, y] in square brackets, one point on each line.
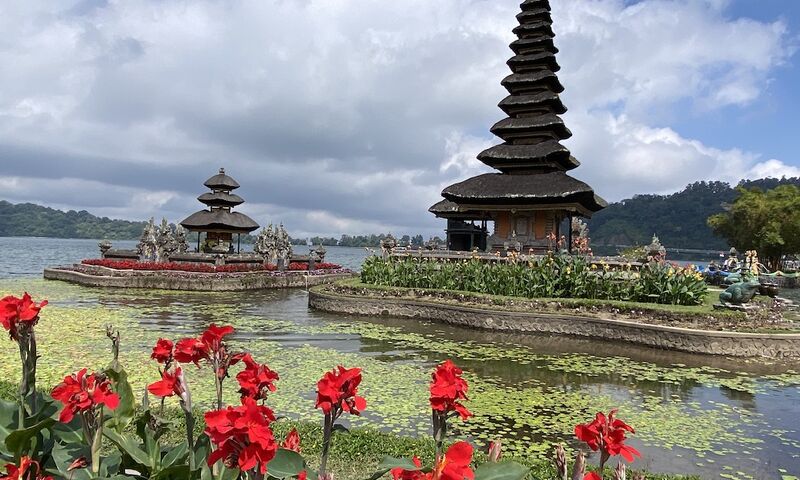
[209, 282]
[733, 344]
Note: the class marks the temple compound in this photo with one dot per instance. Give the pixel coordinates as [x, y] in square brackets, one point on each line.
[219, 223]
[532, 199]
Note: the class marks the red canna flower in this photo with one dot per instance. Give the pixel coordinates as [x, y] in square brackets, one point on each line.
[242, 436]
[14, 311]
[292, 441]
[27, 470]
[162, 352]
[169, 385]
[448, 389]
[256, 380]
[607, 433]
[337, 391]
[78, 463]
[302, 475]
[592, 476]
[401, 474]
[454, 465]
[191, 350]
[212, 337]
[81, 393]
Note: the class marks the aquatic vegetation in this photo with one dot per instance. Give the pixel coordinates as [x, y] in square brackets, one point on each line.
[551, 276]
[528, 398]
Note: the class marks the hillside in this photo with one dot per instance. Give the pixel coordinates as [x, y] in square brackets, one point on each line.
[30, 220]
[679, 219]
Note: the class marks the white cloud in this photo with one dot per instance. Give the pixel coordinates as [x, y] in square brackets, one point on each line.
[351, 116]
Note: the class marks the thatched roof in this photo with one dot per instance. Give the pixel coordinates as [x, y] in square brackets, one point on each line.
[219, 220]
[545, 156]
[544, 127]
[519, 104]
[535, 4]
[221, 181]
[542, 188]
[220, 199]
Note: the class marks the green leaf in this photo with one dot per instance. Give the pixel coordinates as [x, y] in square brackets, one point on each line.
[123, 415]
[18, 441]
[129, 446]
[507, 470]
[64, 455]
[177, 454]
[286, 464]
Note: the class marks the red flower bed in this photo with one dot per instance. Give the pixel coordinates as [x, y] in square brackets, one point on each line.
[300, 266]
[180, 267]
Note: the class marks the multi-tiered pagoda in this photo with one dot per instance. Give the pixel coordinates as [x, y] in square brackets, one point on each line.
[219, 223]
[532, 197]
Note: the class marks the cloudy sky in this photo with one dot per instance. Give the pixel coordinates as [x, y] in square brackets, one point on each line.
[350, 116]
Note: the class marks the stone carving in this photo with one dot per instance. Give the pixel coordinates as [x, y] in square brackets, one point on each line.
[180, 239]
[274, 244]
[741, 292]
[656, 251]
[104, 246]
[388, 245]
[283, 245]
[146, 248]
[165, 241]
[321, 252]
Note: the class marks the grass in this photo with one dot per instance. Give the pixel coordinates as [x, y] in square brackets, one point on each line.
[354, 454]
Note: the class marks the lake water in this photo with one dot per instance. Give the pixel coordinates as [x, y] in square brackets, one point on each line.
[717, 417]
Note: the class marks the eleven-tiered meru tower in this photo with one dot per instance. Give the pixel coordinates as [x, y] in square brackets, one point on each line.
[532, 197]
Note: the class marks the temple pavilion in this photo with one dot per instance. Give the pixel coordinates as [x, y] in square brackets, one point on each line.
[218, 222]
[531, 196]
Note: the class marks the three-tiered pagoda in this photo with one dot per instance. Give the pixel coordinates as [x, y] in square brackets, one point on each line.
[218, 222]
[532, 197]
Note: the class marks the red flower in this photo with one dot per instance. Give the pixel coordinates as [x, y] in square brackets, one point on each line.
[242, 436]
[212, 337]
[302, 475]
[256, 380]
[447, 389]
[81, 393]
[169, 385]
[27, 470]
[592, 476]
[14, 310]
[337, 391]
[292, 441]
[191, 350]
[454, 465]
[607, 434]
[162, 352]
[400, 474]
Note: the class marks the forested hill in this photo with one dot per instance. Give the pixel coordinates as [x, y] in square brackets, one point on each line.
[679, 219]
[29, 220]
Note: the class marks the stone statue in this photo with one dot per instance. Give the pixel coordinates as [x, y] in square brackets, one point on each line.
[732, 262]
[321, 252]
[180, 239]
[283, 246]
[104, 246]
[146, 248]
[740, 293]
[265, 243]
[387, 245]
[656, 251]
[165, 241]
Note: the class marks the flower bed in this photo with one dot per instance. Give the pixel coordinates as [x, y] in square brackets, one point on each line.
[94, 436]
[200, 267]
[552, 276]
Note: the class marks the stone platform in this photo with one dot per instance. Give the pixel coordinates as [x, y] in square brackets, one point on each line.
[192, 281]
[732, 344]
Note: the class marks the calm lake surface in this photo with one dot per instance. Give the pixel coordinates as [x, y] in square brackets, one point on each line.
[716, 417]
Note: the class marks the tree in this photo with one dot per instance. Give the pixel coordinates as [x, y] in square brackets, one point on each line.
[768, 222]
